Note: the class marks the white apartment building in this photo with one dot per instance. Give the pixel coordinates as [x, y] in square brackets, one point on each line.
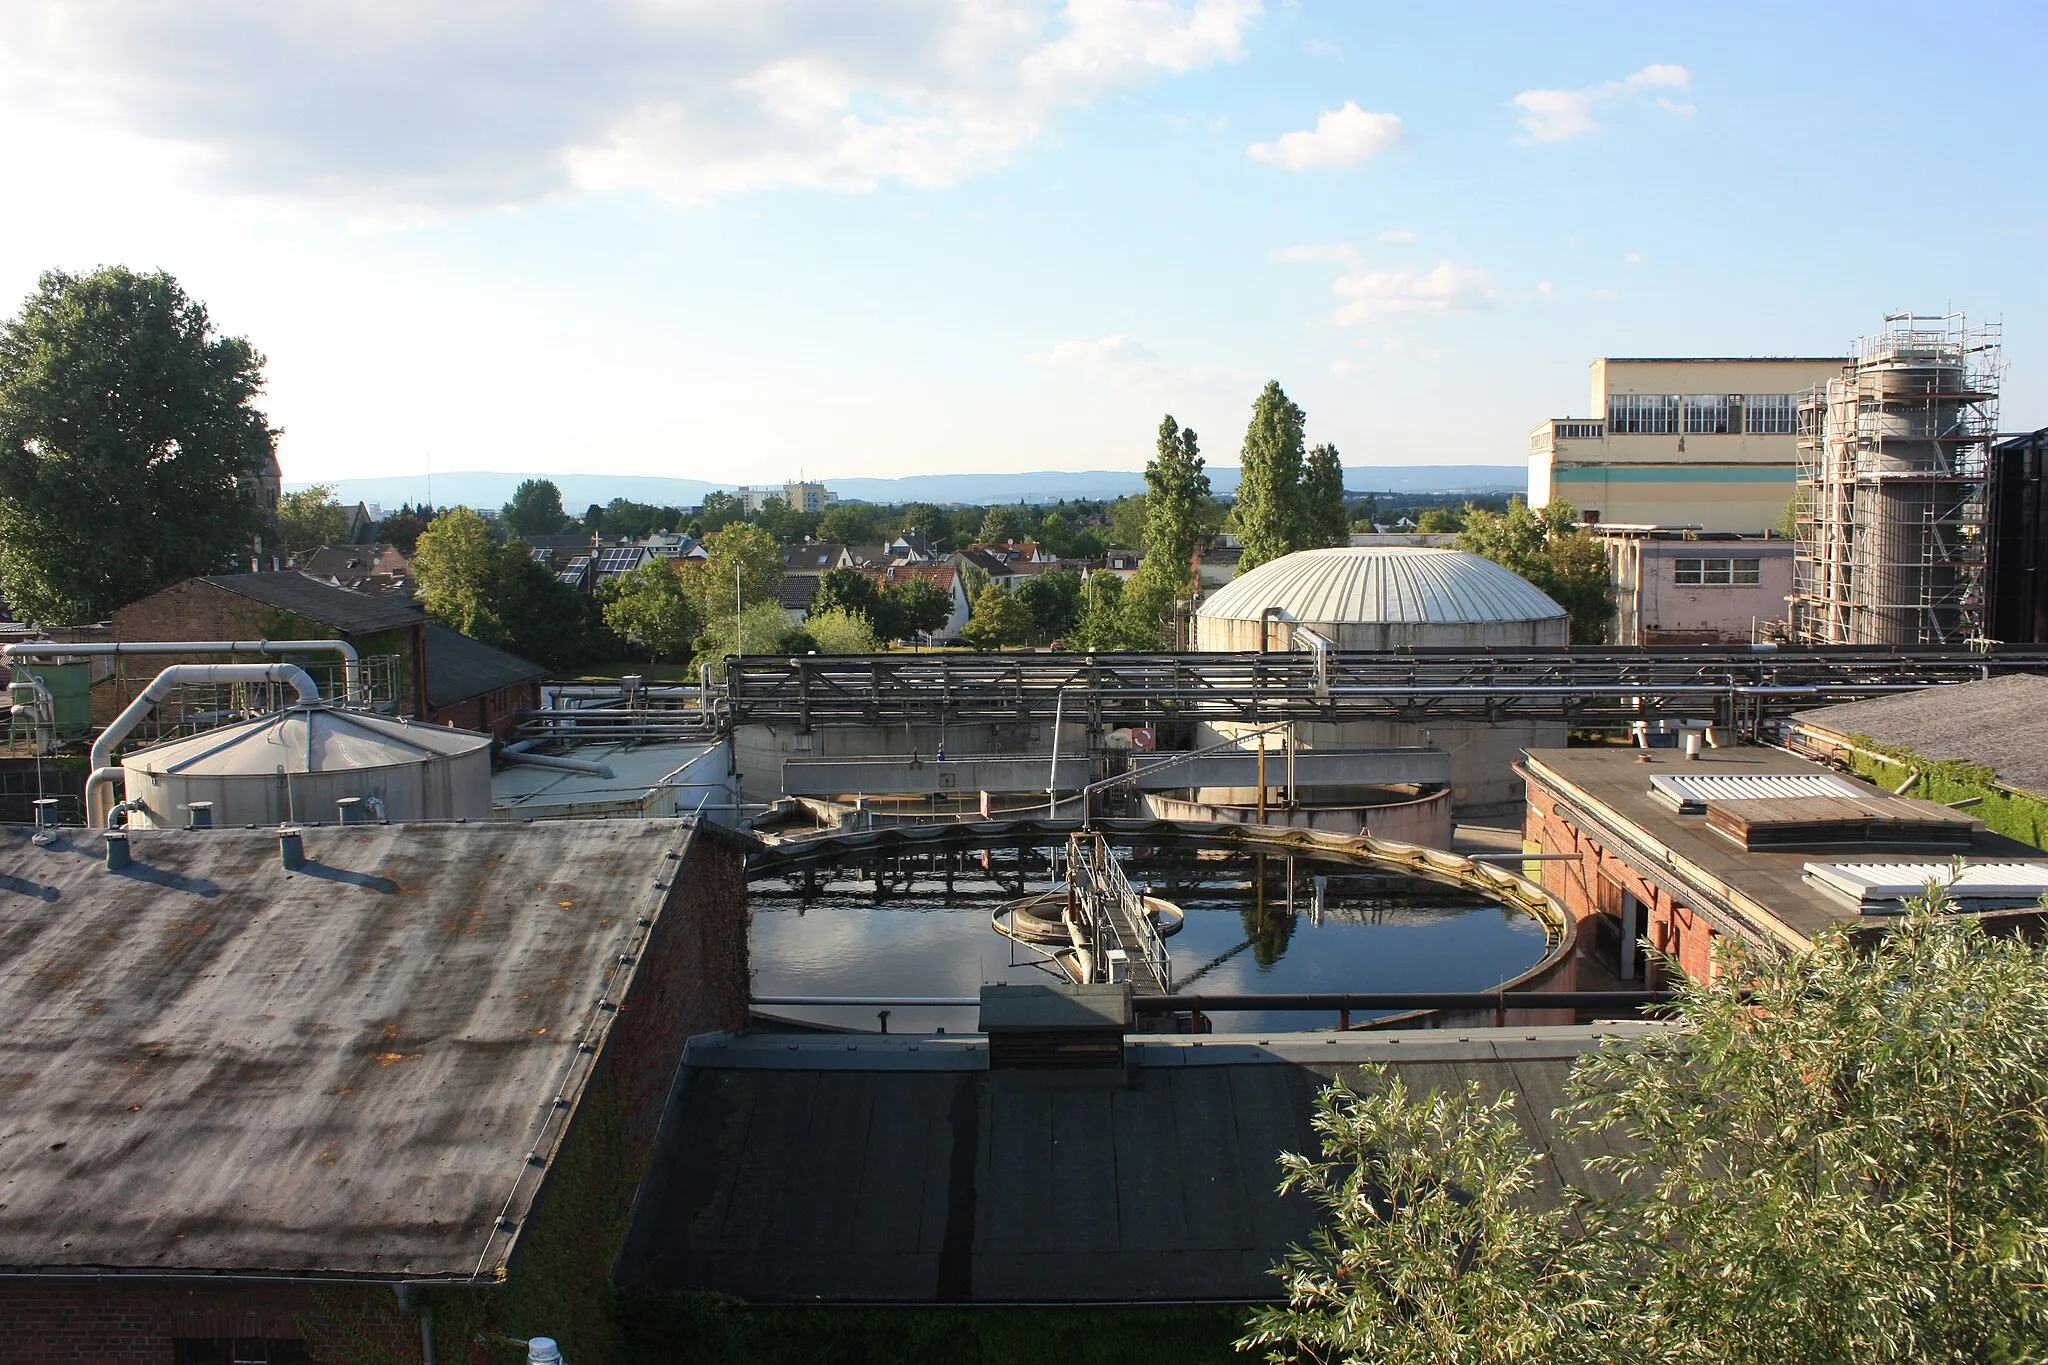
[802, 497]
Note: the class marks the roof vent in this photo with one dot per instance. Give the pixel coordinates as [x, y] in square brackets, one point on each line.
[1689, 793]
[1041, 1027]
[1881, 888]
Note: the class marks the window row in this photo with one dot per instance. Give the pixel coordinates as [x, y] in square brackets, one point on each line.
[1701, 414]
[1719, 573]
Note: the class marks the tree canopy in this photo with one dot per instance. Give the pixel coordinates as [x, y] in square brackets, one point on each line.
[456, 563]
[1551, 550]
[535, 509]
[131, 451]
[1833, 1157]
[653, 607]
[1322, 496]
[1270, 513]
[1006, 525]
[999, 619]
[309, 518]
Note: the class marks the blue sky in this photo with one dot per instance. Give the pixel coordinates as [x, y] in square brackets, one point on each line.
[735, 242]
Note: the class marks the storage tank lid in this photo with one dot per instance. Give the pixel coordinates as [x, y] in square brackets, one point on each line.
[1375, 585]
[305, 739]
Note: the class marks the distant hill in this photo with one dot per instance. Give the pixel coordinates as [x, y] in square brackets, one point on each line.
[487, 489]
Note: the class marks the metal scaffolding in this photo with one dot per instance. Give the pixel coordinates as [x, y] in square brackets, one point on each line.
[1893, 454]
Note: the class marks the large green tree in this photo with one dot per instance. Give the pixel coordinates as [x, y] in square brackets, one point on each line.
[1833, 1156]
[653, 607]
[1177, 504]
[308, 518]
[1270, 515]
[1054, 601]
[456, 563]
[744, 555]
[847, 523]
[915, 606]
[132, 454]
[1552, 550]
[999, 619]
[535, 509]
[1005, 525]
[1322, 497]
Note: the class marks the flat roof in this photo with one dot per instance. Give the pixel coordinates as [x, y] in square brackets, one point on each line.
[1764, 890]
[215, 1065]
[1722, 360]
[637, 770]
[830, 1168]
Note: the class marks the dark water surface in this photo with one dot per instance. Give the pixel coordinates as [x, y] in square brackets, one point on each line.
[918, 925]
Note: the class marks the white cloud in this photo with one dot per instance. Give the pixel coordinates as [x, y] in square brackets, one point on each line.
[1560, 115]
[1602, 295]
[1342, 252]
[1398, 237]
[1546, 289]
[1633, 258]
[1448, 288]
[1341, 137]
[1318, 48]
[392, 108]
[1117, 351]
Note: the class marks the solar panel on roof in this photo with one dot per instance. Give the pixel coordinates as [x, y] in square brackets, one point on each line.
[1689, 793]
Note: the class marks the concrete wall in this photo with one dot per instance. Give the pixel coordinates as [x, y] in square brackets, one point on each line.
[758, 750]
[1482, 755]
[1423, 820]
[1652, 609]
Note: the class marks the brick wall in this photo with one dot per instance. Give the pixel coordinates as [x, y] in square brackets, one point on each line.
[197, 610]
[494, 713]
[133, 1322]
[1592, 885]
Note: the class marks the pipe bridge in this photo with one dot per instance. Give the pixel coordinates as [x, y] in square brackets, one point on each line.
[1581, 685]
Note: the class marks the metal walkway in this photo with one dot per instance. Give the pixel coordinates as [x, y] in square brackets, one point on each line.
[1581, 685]
[1115, 917]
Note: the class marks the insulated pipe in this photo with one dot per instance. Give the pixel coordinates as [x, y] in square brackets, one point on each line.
[351, 662]
[98, 810]
[572, 765]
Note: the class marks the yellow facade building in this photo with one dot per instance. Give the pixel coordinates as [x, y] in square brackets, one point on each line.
[1679, 442]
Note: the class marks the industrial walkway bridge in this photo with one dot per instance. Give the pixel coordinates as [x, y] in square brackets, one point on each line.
[1581, 685]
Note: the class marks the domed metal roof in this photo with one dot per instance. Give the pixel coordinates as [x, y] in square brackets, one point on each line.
[306, 739]
[1392, 584]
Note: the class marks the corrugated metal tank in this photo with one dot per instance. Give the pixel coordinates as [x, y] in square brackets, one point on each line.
[297, 764]
[1372, 597]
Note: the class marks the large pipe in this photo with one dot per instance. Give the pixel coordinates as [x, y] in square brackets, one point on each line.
[572, 765]
[98, 809]
[351, 662]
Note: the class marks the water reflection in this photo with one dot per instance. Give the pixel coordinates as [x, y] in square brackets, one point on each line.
[918, 925]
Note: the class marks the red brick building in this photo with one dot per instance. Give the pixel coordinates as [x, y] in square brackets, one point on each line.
[1645, 869]
[406, 1090]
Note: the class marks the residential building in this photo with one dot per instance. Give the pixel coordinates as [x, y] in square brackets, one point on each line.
[1685, 587]
[1671, 441]
[799, 496]
[946, 576]
[816, 557]
[379, 570]
[430, 1054]
[909, 548]
[799, 590]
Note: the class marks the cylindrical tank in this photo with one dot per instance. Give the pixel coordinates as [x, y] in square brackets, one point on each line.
[296, 765]
[1378, 598]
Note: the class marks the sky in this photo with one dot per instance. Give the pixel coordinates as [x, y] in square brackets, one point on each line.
[743, 242]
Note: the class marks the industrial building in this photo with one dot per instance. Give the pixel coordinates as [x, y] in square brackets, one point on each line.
[1391, 598]
[322, 1100]
[1708, 441]
[1751, 844]
[1894, 452]
[1683, 586]
[2016, 541]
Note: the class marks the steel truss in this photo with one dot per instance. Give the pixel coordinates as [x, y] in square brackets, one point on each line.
[1585, 686]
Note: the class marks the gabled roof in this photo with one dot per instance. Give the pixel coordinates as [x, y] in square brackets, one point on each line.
[351, 613]
[359, 1069]
[798, 590]
[459, 668]
[813, 556]
[941, 574]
